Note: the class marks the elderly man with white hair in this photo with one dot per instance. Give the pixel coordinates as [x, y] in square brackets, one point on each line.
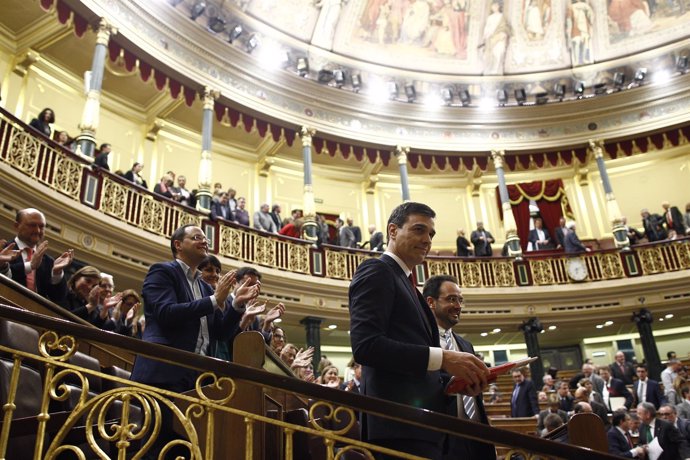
[571, 242]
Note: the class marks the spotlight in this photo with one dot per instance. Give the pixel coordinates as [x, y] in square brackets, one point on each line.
[618, 80]
[520, 96]
[392, 87]
[599, 88]
[465, 98]
[579, 89]
[235, 33]
[559, 90]
[325, 76]
[216, 24]
[339, 75]
[197, 10]
[252, 43]
[447, 95]
[502, 96]
[682, 64]
[640, 75]
[302, 66]
[541, 98]
[356, 82]
[410, 92]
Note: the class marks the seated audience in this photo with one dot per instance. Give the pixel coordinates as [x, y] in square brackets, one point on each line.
[264, 221]
[33, 268]
[221, 209]
[85, 297]
[619, 438]
[551, 422]
[354, 384]
[240, 214]
[549, 384]
[293, 229]
[43, 121]
[102, 156]
[329, 377]
[134, 175]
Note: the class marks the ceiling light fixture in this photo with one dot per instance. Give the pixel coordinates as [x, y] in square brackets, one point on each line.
[302, 66]
[447, 95]
[235, 33]
[520, 96]
[197, 10]
[559, 90]
[502, 97]
[465, 98]
[541, 98]
[410, 92]
[579, 89]
[356, 82]
[252, 43]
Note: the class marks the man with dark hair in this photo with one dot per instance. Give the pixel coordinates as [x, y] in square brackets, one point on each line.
[670, 439]
[646, 389]
[523, 402]
[565, 400]
[221, 209]
[619, 439]
[669, 413]
[395, 338]
[444, 297]
[482, 239]
[684, 407]
[356, 231]
[346, 238]
[540, 237]
[34, 268]
[275, 217]
[614, 388]
[582, 396]
[102, 156]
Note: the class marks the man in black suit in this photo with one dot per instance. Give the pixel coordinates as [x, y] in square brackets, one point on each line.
[673, 220]
[614, 388]
[669, 413]
[619, 439]
[554, 408]
[444, 297]
[356, 382]
[221, 208]
[101, 159]
[622, 369]
[564, 397]
[571, 242]
[482, 239]
[34, 268]
[670, 439]
[375, 239]
[539, 236]
[394, 336]
[560, 233]
[356, 231]
[275, 216]
[646, 389]
[523, 402]
[653, 226]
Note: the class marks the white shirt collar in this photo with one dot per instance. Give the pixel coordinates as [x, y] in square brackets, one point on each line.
[191, 276]
[399, 261]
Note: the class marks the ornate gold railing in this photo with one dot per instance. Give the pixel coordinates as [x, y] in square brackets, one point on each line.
[49, 164]
[212, 420]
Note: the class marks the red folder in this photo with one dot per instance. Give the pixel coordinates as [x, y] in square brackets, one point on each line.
[458, 384]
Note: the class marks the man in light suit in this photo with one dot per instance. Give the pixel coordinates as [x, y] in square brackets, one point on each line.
[394, 336]
[646, 389]
[523, 402]
[619, 439]
[444, 297]
[671, 440]
[34, 268]
[264, 221]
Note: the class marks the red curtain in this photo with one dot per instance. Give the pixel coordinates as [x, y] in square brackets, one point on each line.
[550, 198]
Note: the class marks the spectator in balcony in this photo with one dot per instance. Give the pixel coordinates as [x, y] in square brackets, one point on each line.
[375, 239]
[102, 156]
[622, 369]
[181, 194]
[164, 187]
[278, 339]
[539, 236]
[482, 239]
[221, 209]
[240, 214]
[86, 299]
[323, 235]
[354, 384]
[329, 378]
[34, 268]
[65, 140]
[619, 439]
[217, 191]
[346, 238]
[232, 201]
[293, 229]
[561, 232]
[126, 313]
[686, 219]
[134, 175]
[264, 221]
[462, 245]
[572, 243]
[295, 214]
[653, 226]
[673, 220]
[356, 231]
[523, 402]
[43, 121]
[275, 217]
[634, 235]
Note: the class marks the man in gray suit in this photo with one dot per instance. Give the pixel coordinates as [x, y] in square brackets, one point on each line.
[263, 220]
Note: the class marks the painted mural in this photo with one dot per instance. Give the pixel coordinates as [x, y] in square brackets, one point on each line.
[478, 37]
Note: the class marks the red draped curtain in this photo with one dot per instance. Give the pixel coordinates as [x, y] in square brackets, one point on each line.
[550, 198]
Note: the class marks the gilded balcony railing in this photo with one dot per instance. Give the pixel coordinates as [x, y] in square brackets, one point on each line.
[216, 419]
[54, 167]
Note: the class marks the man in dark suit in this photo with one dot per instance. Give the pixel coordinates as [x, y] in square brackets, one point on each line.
[394, 336]
[275, 216]
[622, 369]
[614, 388]
[684, 407]
[670, 439]
[375, 239]
[482, 239]
[523, 402]
[34, 268]
[356, 382]
[101, 159]
[560, 233]
[571, 242]
[554, 408]
[356, 231]
[444, 297]
[221, 208]
[539, 236]
[653, 226]
[619, 439]
[565, 400]
[646, 389]
[184, 312]
[673, 219]
[669, 413]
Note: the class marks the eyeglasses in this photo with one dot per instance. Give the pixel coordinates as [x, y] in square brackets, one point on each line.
[453, 299]
[665, 414]
[198, 238]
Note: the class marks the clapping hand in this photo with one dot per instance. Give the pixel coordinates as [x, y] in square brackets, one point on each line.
[37, 258]
[223, 288]
[9, 253]
[111, 302]
[245, 293]
[273, 314]
[253, 308]
[303, 357]
[64, 261]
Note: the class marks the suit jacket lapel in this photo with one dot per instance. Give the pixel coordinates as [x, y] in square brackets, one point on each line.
[183, 280]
